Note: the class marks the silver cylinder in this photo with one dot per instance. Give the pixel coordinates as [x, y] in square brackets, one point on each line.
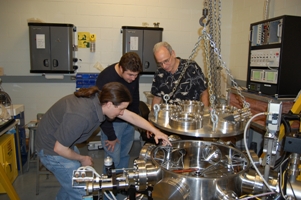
[190, 174]
[293, 170]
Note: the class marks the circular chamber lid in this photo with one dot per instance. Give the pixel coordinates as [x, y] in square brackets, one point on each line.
[229, 121]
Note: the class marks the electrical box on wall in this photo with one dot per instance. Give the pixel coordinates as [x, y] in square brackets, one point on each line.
[274, 62]
[141, 40]
[51, 48]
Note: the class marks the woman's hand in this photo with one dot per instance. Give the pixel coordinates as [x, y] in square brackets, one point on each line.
[149, 134]
[164, 137]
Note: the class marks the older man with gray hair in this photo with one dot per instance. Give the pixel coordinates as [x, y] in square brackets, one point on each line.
[181, 79]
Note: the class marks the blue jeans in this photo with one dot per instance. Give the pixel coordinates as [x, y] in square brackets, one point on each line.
[63, 168]
[125, 134]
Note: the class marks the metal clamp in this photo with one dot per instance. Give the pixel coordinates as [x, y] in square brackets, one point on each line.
[166, 98]
[156, 111]
[214, 119]
[202, 23]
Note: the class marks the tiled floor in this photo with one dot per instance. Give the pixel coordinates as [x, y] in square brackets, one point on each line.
[25, 184]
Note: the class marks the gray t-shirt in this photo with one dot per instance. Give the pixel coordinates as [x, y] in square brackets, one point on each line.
[70, 121]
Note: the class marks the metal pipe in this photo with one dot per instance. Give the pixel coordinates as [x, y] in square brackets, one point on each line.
[252, 183]
[293, 170]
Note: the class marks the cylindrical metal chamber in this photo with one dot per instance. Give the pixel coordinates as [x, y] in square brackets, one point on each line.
[199, 170]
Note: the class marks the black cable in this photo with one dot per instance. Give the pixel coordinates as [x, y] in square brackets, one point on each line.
[285, 118]
[292, 116]
[286, 125]
[280, 160]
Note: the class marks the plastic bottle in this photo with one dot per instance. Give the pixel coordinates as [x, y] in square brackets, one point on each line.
[109, 165]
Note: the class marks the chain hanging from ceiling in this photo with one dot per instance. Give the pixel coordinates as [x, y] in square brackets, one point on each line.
[211, 40]
[211, 20]
[211, 33]
[214, 14]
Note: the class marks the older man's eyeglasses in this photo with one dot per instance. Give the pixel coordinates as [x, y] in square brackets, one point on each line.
[165, 62]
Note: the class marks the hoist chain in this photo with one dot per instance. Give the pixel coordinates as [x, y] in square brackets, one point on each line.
[215, 38]
[179, 80]
[223, 64]
[210, 89]
[214, 117]
[218, 41]
[214, 31]
[213, 60]
[193, 52]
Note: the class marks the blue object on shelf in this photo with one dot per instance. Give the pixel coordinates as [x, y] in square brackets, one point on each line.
[85, 80]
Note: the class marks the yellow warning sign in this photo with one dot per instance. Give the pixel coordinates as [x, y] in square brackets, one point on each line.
[83, 39]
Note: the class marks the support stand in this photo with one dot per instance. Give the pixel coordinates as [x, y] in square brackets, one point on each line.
[6, 184]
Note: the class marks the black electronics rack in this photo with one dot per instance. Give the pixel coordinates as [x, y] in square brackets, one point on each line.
[274, 63]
